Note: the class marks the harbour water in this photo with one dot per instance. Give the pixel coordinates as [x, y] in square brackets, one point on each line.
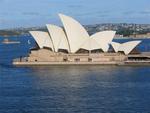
[71, 89]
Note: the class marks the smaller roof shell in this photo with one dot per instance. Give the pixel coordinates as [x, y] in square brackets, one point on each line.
[126, 47]
[58, 37]
[42, 39]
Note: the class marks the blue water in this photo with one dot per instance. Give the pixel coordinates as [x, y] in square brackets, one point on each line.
[71, 89]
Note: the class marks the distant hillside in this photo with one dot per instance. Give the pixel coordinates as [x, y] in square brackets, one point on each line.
[20, 31]
[122, 29]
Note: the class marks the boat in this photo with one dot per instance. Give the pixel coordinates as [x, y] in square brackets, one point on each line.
[7, 41]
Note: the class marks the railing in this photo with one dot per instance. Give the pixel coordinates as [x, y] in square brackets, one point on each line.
[21, 59]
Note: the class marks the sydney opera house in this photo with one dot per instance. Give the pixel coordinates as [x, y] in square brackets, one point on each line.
[71, 44]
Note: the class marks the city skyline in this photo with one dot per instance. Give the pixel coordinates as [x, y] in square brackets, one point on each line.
[20, 13]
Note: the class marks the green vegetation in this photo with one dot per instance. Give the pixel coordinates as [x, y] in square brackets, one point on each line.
[20, 31]
[125, 32]
[8, 33]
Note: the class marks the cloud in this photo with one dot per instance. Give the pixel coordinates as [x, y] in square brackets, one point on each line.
[136, 13]
[145, 12]
[75, 6]
[3, 21]
[129, 13]
[31, 13]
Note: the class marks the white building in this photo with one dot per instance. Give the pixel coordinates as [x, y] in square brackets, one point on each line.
[74, 37]
[73, 45]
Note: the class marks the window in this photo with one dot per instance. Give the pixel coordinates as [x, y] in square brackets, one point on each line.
[90, 59]
[65, 59]
[77, 59]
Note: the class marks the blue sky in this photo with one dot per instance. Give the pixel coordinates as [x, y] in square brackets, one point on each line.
[26, 13]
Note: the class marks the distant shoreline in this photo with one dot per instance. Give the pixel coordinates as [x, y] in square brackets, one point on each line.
[123, 30]
[114, 37]
[131, 38]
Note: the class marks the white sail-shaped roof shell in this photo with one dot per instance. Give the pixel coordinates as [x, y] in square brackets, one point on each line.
[125, 47]
[115, 46]
[58, 37]
[104, 38]
[90, 44]
[76, 33]
[42, 39]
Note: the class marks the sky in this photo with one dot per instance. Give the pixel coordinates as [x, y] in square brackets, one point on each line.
[31, 13]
